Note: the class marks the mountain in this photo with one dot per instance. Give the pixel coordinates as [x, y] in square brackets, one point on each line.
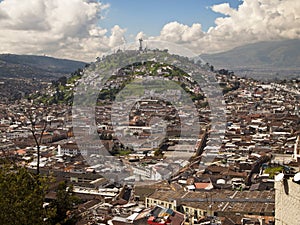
[38, 67]
[280, 58]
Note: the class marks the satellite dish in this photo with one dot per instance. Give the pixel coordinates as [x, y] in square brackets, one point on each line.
[279, 177]
[297, 177]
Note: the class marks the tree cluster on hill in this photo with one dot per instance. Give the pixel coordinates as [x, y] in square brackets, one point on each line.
[22, 199]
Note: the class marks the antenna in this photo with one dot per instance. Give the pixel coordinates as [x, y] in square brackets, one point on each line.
[297, 177]
[279, 177]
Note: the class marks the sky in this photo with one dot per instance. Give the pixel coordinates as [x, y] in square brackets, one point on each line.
[85, 29]
[151, 16]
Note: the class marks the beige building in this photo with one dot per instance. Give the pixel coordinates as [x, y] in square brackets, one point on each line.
[296, 155]
[287, 202]
[221, 203]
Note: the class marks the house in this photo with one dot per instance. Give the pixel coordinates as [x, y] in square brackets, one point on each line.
[163, 216]
[203, 186]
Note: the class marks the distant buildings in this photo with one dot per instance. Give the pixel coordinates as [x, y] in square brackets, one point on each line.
[222, 204]
[228, 180]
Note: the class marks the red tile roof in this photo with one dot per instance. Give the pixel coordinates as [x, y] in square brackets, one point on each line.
[201, 185]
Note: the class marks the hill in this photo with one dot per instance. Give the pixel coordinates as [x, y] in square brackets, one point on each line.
[38, 67]
[132, 80]
[279, 59]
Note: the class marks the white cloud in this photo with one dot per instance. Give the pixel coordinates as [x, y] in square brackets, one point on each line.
[258, 20]
[180, 33]
[140, 35]
[117, 36]
[253, 21]
[65, 28]
[69, 28]
[224, 9]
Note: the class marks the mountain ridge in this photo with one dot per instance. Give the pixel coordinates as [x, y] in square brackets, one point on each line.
[269, 60]
[272, 54]
[35, 66]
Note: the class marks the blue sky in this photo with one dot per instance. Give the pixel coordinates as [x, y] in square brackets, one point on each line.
[85, 29]
[151, 16]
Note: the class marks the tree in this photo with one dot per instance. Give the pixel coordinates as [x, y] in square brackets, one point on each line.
[21, 196]
[36, 117]
[38, 141]
[64, 205]
[63, 80]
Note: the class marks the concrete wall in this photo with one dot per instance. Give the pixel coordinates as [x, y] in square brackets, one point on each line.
[287, 203]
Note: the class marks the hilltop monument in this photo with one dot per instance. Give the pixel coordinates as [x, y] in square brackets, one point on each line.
[141, 45]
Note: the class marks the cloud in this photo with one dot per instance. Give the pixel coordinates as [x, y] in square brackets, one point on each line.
[117, 36]
[258, 20]
[253, 21]
[58, 28]
[223, 9]
[70, 28]
[180, 33]
[140, 35]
